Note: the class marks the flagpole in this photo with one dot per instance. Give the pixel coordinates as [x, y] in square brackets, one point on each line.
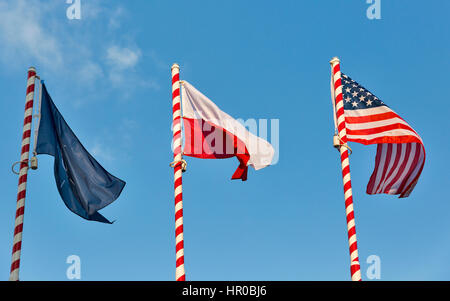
[177, 164]
[355, 269]
[23, 173]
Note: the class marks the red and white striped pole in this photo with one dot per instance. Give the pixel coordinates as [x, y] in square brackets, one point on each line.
[24, 158]
[178, 170]
[339, 107]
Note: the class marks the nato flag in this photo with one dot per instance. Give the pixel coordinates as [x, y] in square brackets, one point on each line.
[84, 185]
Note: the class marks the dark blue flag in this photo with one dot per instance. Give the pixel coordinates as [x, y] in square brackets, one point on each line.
[84, 185]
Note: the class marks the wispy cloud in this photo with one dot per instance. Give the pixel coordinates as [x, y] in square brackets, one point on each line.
[36, 32]
[23, 35]
[122, 63]
[90, 71]
[115, 17]
[122, 58]
[102, 153]
[115, 143]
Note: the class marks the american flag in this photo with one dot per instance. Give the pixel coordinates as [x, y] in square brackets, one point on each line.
[400, 152]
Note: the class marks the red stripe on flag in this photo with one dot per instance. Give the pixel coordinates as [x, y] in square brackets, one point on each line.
[378, 130]
[395, 161]
[386, 139]
[371, 118]
[402, 166]
[387, 162]
[411, 169]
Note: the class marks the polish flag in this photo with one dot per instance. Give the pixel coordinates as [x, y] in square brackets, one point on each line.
[213, 134]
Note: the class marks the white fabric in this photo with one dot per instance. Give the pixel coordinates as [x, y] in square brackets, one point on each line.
[198, 106]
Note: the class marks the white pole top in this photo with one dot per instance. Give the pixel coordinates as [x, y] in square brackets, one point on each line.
[334, 60]
[32, 69]
[175, 66]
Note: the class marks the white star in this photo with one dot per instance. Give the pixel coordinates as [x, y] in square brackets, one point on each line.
[348, 90]
[369, 102]
[354, 94]
[355, 104]
[347, 100]
[362, 98]
[345, 76]
[368, 93]
[361, 89]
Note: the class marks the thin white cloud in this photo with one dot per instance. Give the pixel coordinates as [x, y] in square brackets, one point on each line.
[122, 58]
[22, 34]
[114, 142]
[90, 71]
[102, 153]
[115, 17]
[91, 9]
[36, 33]
[157, 61]
[123, 65]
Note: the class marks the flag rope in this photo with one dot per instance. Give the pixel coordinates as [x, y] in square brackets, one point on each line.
[183, 164]
[178, 171]
[23, 173]
[355, 268]
[38, 116]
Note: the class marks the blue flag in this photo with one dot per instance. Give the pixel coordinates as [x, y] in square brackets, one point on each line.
[84, 185]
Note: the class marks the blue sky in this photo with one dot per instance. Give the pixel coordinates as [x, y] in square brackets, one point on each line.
[109, 75]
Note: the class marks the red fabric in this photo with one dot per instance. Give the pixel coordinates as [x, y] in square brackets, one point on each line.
[205, 140]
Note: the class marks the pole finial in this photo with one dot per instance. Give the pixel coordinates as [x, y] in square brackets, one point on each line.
[334, 60]
[32, 69]
[175, 66]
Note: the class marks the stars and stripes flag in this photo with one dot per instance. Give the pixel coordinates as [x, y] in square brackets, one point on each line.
[400, 151]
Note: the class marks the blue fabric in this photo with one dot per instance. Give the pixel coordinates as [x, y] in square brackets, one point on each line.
[84, 185]
[356, 97]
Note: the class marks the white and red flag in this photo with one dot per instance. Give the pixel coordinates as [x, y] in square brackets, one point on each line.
[213, 134]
